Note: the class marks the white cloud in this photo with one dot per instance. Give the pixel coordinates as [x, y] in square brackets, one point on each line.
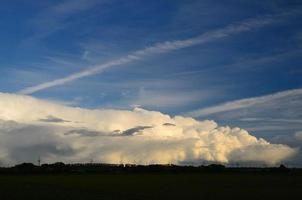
[85, 55]
[83, 134]
[167, 98]
[269, 116]
[164, 47]
[298, 135]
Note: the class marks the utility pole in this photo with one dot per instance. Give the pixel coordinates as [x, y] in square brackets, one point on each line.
[39, 161]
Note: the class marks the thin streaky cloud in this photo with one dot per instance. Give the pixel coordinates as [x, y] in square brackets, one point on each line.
[271, 120]
[164, 47]
[244, 64]
[243, 103]
[54, 18]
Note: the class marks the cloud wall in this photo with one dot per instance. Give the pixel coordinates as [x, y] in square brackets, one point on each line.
[30, 128]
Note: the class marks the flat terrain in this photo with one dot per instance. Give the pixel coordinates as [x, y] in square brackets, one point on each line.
[221, 185]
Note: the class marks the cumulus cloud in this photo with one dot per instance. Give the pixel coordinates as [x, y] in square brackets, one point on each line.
[122, 136]
[271, 115]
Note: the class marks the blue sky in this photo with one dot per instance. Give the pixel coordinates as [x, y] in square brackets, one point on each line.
[42, 41]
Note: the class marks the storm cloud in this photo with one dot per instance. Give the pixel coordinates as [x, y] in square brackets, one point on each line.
[99, 134]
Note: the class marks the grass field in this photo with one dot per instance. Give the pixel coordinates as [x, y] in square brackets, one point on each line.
[153, 186]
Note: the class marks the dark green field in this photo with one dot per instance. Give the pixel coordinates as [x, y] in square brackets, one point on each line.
[153, 186]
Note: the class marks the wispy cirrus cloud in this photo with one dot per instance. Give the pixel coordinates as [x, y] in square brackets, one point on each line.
[244, 103]
[164, 47]
[54, 17]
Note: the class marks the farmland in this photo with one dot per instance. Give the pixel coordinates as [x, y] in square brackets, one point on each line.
[183, 185]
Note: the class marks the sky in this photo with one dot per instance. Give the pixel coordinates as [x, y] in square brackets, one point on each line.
[216, 65]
